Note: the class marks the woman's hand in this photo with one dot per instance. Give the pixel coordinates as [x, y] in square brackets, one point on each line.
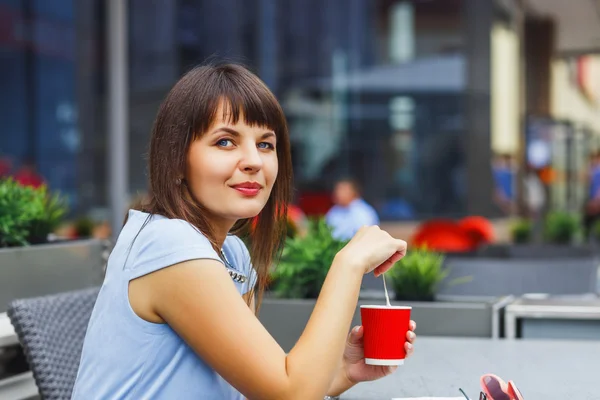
[354, 369]
[354, 357]
[373, 249]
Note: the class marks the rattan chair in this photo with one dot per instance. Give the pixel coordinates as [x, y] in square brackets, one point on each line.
[51, 330]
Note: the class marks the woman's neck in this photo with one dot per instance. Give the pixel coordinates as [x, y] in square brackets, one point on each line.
[220, 229]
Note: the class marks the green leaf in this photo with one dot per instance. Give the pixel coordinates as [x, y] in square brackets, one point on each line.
[561, 227]
[27, 215]
[521, 231]
[418, 275]
[305, 261]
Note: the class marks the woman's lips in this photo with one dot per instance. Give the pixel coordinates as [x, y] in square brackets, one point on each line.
[246, 191]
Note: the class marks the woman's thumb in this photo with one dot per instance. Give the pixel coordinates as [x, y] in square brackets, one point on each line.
[355, 335]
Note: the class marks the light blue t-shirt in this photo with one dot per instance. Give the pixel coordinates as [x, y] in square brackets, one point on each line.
[126, 357]
[346, 221]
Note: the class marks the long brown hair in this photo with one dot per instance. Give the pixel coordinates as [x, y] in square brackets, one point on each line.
[186, 114]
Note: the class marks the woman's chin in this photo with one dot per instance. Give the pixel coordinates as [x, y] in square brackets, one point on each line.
[240, 209]
[248, 212]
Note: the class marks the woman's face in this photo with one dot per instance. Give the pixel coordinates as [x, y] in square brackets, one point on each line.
[231, 169]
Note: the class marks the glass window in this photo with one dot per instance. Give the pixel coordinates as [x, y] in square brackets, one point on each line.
[42, 74]
[372, 88]
[13, 107]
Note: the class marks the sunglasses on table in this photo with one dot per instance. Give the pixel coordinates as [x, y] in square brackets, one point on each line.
[494, 388]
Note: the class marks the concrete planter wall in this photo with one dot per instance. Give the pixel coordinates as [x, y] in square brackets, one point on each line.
[49, 268]
[518, 270]
[537, 251]
[285, 319]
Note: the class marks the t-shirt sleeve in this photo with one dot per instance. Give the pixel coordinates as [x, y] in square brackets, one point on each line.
[166, 242]
[366, 216]
[247, 268]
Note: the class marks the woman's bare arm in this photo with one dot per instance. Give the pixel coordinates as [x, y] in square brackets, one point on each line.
[218, 324]
[201, 303]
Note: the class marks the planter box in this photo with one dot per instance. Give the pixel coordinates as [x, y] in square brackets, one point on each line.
[522, 269]
[44, 269]
[536, 251]
[458, 316]
[285, 319]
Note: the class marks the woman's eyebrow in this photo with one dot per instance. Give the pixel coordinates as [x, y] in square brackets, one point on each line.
[228, 130]
[268, 135]
[233, 132]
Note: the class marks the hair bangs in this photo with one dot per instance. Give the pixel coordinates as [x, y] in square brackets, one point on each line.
[240, 95]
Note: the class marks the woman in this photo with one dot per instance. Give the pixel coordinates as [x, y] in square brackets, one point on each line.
[175, 316]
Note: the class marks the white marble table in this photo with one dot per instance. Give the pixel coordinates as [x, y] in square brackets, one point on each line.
[8, 337]
[543, 370]
[17, 387]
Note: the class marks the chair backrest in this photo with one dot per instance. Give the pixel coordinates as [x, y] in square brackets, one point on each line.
[51, 330]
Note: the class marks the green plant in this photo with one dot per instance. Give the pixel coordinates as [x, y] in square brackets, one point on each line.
[418, 275]
[561, 227]
[292, 229]
[27, 214]
[305, 262]
[595, 231]
[521, 231]
[84, 227]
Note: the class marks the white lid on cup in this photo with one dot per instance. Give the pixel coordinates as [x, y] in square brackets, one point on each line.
[387, 307]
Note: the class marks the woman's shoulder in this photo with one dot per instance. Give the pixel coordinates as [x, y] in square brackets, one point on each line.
[155, 226]
[159, 234]
[160, 241]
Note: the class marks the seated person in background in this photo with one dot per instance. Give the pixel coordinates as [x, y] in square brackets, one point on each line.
[350, 211]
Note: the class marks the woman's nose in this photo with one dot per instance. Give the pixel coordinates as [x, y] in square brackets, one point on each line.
[251, 159]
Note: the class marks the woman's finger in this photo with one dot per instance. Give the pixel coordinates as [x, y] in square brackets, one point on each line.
[409, 348]
[382, 268]
[397, 256]
[355, 335]
[389, 263]
[412, 325]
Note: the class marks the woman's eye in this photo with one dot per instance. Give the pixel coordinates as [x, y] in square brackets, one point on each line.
[225, 143]
[266, 145]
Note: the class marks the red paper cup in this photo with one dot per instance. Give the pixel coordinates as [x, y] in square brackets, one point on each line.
[385, 330]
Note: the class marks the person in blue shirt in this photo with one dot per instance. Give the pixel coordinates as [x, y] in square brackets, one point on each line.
[592, 201]
[504, 176]
[175, 316]
[594, 180]
[350, 211]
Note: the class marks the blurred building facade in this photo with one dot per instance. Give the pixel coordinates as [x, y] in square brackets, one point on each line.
[410, 97]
